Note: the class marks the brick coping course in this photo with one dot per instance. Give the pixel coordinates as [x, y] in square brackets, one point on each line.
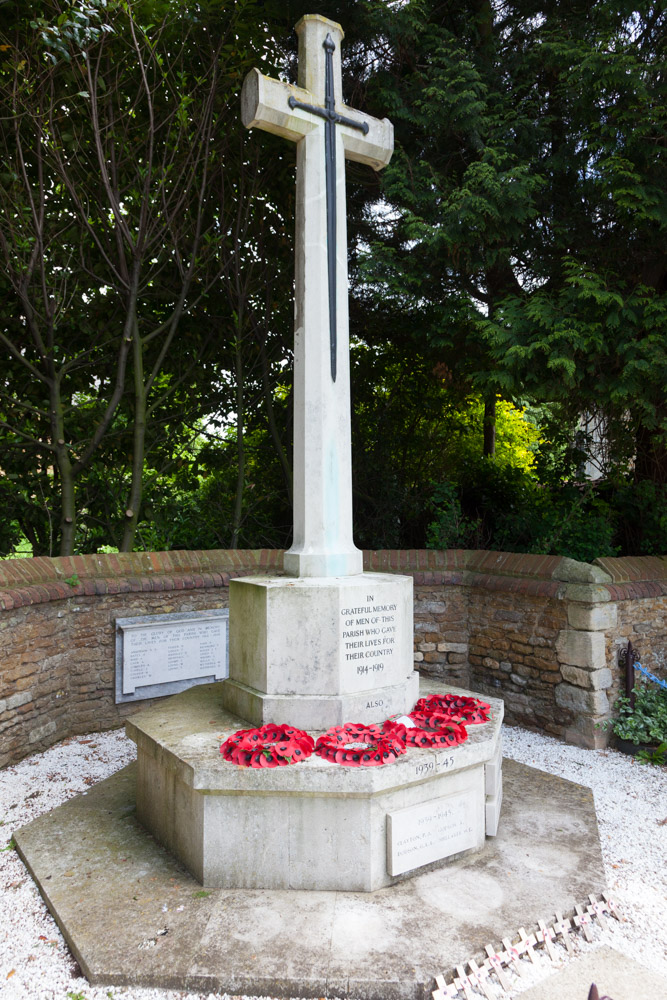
[42, 579]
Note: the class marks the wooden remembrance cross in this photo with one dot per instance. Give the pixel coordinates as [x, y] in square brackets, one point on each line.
[313, 115]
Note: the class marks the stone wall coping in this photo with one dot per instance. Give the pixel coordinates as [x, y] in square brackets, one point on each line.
[42, 579]
[571, 571]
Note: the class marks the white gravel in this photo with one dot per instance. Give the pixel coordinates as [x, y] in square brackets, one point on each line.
[630, 800]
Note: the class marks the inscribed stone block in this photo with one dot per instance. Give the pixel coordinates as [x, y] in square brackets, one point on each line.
[316, 652]
[430, 831]
[164, 654]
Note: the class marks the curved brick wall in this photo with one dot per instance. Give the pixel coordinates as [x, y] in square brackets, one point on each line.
[541, 631]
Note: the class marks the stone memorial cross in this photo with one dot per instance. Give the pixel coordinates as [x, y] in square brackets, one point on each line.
[313, 115]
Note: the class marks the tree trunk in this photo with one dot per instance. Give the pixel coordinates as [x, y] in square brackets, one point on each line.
[67, 499]
[651, 455]
[138, 447]
[271, 417]
[490, 425]
[240, 443]
[63, 463]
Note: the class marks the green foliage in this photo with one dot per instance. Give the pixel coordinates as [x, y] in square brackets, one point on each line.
[496, 506]
[530, 194]
[411, 427]
[74, 30]
[647, 721]
[450, 529]
[144, 252]
[517, 438]
[569, 520]
[512, 251]
[657, 756]
[640, 510]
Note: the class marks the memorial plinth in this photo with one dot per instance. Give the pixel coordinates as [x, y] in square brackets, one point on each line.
[318, 652]
[312, 825]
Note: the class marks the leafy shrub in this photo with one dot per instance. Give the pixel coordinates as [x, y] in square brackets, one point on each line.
[495, 506]
[450, 529]
[641, 513]
[647, 721]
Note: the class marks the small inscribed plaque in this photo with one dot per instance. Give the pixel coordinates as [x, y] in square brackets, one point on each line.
[163, 654]
[430, 831]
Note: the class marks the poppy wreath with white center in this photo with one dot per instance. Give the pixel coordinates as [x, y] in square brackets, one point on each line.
[268, 746]
[434, 730]
[378, 747]
[459, 708]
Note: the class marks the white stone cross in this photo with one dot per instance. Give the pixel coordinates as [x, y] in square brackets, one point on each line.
[313, 115]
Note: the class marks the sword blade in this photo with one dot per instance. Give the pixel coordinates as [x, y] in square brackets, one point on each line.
[330, 161]
[330, 153]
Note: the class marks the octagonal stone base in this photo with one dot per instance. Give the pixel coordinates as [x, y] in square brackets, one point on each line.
[314, 825]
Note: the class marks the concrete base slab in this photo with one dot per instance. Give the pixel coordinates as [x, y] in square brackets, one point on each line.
[133, 916]
[613, 974]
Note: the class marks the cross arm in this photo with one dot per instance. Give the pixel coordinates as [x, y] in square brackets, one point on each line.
[375, 147]
[264, 103]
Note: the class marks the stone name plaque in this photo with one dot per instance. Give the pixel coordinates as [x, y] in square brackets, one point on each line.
[158, 655]
[430, 831]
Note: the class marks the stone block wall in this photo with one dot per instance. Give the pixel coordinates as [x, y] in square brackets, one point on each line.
[637, 612]
[57, 638]
[541, 632]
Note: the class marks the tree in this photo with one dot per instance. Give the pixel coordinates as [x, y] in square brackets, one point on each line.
[115, 223]
[529, 180]
[594, 331]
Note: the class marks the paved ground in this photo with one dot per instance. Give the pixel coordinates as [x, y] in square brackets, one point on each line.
[132, 915]
[614, 975]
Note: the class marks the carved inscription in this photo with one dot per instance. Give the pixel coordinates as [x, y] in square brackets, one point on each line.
[438, 761]
[430, 831]
[369, 634]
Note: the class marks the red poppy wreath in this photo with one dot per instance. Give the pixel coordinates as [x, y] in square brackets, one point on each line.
[357, 745]
[269, 746]
[430, 731]
[457, 708]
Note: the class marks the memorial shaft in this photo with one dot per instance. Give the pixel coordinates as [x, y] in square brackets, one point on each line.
[326, 132]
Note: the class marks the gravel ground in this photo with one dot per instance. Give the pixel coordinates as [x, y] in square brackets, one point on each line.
[630, 800]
